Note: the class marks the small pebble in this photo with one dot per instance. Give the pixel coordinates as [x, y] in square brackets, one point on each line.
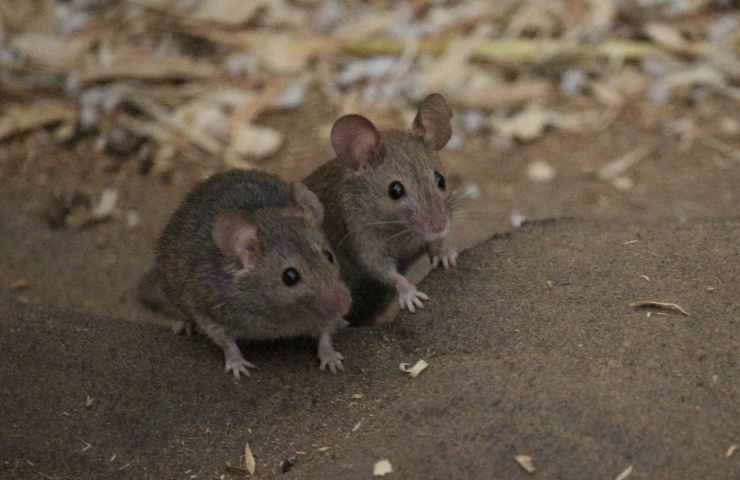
[541, 172]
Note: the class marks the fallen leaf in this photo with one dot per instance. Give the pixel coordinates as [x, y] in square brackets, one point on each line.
[665, 35]
[134, 65]
[540, 171]
[20, 118]
[281, 53]
[249, 462]
[416, 370]
[382, 468]
[525, 461]
[104, 208]
[255, 141]
[673, 307]
[617, 167]
[228, 12]
[22, 284]
[531, 123]
[731, 451]
[47, 49]
[626, 473]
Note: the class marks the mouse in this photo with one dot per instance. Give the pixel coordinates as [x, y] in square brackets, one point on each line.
[244, 257]
[387, 202]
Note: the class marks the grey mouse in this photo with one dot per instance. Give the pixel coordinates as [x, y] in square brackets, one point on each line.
[387, 201]
[244, 257]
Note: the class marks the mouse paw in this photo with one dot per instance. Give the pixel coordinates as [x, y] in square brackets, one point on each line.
[332, 360]
[447, 259]
[409, 297]
[328, 357]
[235, 363]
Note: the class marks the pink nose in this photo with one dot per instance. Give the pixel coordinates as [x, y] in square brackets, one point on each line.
[336, 302]
[439, 225]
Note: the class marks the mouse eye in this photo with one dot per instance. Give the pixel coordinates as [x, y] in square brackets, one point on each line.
[329, 256]
[441, 181]
[291, 276]
[396, 190]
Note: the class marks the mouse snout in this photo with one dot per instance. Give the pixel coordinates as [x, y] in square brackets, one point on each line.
[439, 225]
[335, 301]
[435, 227]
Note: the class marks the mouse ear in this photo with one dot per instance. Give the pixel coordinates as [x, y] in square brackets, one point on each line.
[356, 142]
[237, 236]
[308, 202]
[432, 122]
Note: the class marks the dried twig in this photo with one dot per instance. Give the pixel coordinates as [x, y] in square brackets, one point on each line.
[673, 307]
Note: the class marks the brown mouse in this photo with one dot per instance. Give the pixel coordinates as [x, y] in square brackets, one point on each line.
[387, 201]
[244, 257]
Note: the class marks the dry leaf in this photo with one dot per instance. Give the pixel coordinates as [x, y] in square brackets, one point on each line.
[416, 370]
[731, 451]
[673, 307]
[17, 118]
[22, 284]
[541, 172]
[382, 468]
[282, 53]
[451, 69]
[49, 50]
[665, 35]
[135, 65]
[228, 12]
[484, 91]
[525, 461]
[524, 126]
[619, 166]
[626, 473]
[82, 217]
[249, 462]
[255, 141]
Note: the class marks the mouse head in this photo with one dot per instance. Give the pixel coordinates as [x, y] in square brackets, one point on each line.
[280, 258]
[401, 171]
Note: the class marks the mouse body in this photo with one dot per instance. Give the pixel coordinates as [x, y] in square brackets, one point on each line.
[387, 202]
[244, 256]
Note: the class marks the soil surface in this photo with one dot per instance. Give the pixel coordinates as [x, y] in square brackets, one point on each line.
[533, 347]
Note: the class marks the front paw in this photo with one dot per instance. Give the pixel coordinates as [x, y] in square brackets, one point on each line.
[331, 359]
[409, 297]
[235, 363]
[447, 259]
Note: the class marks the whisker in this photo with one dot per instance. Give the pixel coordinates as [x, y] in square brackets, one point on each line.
[405, 231]
[368, 225]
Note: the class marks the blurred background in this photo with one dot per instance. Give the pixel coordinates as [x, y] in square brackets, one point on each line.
[623, 110]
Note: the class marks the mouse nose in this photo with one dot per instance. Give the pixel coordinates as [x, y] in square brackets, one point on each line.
[439, 225]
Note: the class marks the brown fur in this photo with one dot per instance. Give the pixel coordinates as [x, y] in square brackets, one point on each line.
[373, 234]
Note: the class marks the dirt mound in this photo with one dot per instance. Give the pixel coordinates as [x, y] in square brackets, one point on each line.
[533, 348]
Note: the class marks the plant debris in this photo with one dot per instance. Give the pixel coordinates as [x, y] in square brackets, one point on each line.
[415, 370]
[670, 307]
[525, 461]
[731, 450]
[21, 284]
[626, 473]
[191, 79]
[382, 468]
[249, 464]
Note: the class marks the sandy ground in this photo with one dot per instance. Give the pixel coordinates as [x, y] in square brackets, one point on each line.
[532, 345]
